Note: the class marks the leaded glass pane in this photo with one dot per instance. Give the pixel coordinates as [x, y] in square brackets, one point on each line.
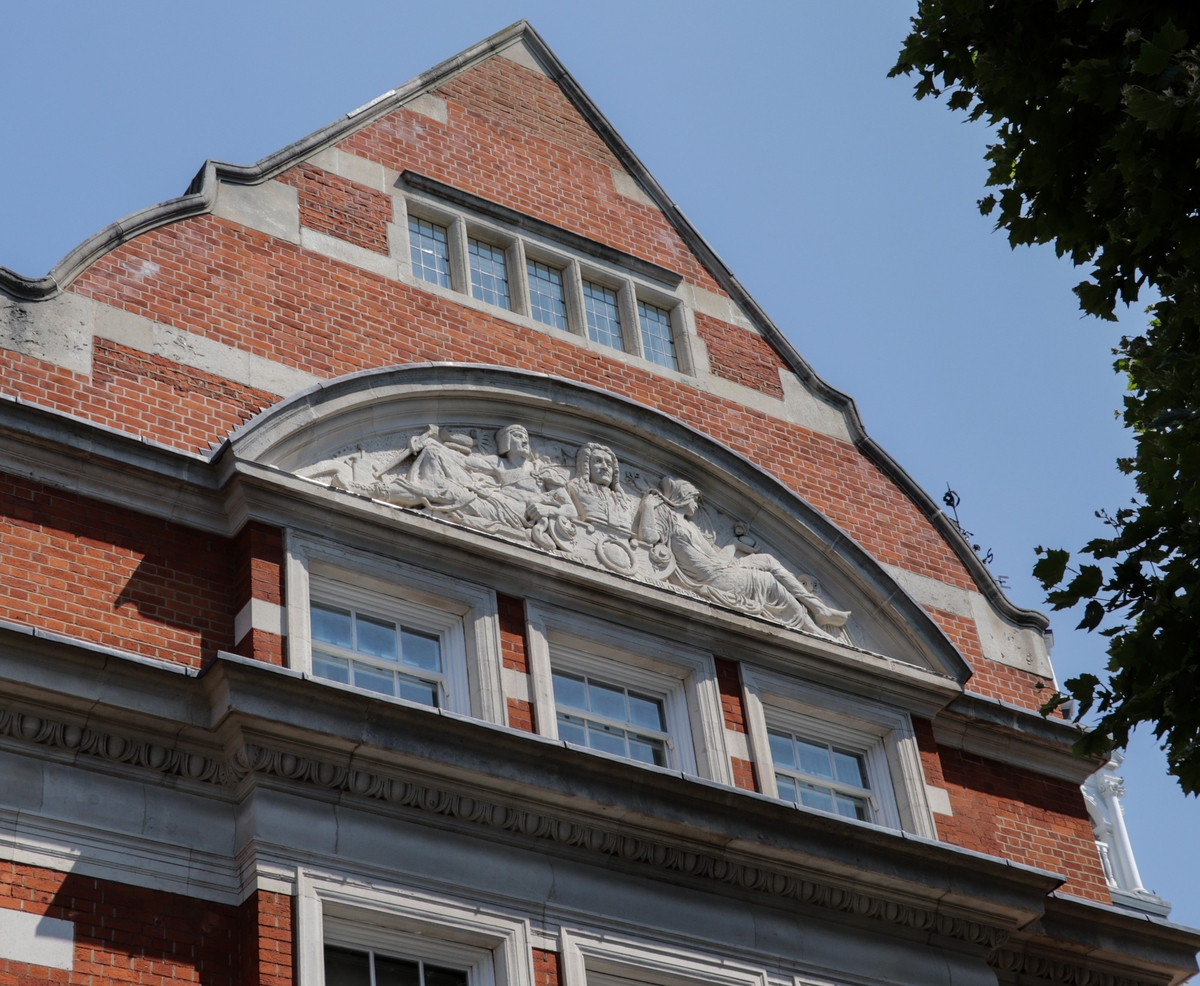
[658, 343]
[415, 690]
[814, 759]
[646, 750]
[849, 768]
[782, 752]
[547, 302]
[331, 668]
[646, 712]
[603, 316]
[607, 739]
[816, 797]
[570, 691]
[437, 976]
[489, 273]
[851, 807]
[430, 250]
[374, 680]
[570, 729]
[396, 972]
[607, 701]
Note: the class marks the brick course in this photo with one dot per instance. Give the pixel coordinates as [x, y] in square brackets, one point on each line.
[741, 356]
[130, 935]
[339, 207]
[547, 968]
[729, 684]
[520, 715]
[512, 632]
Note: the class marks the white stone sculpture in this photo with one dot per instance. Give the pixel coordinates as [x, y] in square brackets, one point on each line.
[755, 583]
[531, 496]
[1103, 794]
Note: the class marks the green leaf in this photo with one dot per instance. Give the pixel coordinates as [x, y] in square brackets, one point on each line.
[1092, 615]
[1051, 569]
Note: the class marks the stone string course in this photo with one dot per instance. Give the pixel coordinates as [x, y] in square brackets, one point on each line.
[401, 793]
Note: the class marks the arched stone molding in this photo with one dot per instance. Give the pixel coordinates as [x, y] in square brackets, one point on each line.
[343, 432]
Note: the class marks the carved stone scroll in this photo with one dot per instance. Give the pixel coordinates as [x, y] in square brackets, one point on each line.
[573, 501]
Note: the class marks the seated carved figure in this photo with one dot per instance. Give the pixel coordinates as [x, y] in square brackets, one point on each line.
[757, 584]
[487, 492]
[596, 492]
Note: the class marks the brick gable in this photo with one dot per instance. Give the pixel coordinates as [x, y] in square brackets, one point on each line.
[511, 136]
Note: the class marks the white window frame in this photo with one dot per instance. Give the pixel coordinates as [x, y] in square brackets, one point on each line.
[883, 735]
[576, 268]
[685, 679]
[464, 615]
[333, 909]
[601, 959]
[412, 613]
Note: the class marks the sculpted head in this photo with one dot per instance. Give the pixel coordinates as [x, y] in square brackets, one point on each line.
[681, 494]
[597, 464]
[513, 439]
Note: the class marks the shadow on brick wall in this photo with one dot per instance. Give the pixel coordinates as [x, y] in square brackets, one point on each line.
[133, 935]
[160, 594]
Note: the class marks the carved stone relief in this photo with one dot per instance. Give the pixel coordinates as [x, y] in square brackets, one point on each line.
[579, 502]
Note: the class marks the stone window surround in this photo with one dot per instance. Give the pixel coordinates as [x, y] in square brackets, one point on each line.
[342, 910]
[334, 586]
[467, 612]
[883, 734]
[686, 678]
[575, 267]
[603, 959]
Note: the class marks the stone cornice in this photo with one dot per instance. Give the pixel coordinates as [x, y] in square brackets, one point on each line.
[388, 757]
[1024, 967]
[252, 761]
[990, 728]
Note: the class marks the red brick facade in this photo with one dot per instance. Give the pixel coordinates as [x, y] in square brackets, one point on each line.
[741, 356]
[127, 934]
[112, 576]
[341, 208]
[729, 683]
[547, 968]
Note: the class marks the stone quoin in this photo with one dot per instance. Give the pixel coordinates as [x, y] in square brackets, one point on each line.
[425, 565]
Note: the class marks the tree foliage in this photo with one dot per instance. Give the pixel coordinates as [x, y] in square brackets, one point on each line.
[1096, 110]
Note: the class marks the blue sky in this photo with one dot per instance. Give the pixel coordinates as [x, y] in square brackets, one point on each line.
[847, 209]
